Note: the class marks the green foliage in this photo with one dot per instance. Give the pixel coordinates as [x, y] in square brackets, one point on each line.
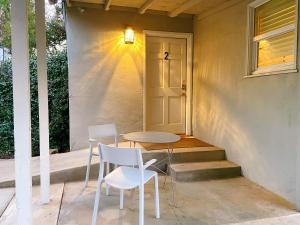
[58, 100]
[6, 110]
[5, 37]
[55, 28]
[5, 24]
[58, 104]
[57, 82]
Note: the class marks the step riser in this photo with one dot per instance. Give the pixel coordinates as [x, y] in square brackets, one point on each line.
[182, 157]
[208, 174]
[198, 156]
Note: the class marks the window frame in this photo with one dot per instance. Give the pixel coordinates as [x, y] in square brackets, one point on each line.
[252, 44]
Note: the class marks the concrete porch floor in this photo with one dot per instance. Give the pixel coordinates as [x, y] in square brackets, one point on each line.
[71, 166]
[226, 201]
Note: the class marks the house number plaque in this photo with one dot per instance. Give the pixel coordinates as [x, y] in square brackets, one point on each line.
[166, 55]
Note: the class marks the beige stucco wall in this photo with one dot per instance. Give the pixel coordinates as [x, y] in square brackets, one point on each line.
[105, 75]
[254, 119]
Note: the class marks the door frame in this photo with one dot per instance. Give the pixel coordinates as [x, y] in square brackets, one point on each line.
[189, 73]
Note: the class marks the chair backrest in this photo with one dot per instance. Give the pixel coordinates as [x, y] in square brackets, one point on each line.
[121, 156]
[104, 130]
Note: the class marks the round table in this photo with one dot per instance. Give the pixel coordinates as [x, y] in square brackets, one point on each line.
[156, 137]
[152, 137]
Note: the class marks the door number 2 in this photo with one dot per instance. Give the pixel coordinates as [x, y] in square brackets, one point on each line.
[166, 55]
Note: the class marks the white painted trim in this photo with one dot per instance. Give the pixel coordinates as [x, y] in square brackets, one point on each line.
[183, 7]
[258, 3]
[22, 111]
[276, 32]
[189, 73]
[147, 4]
[252, 44]
[43, 100]
[144, 82]
[275, 68]
[107, 5]
[279, 72]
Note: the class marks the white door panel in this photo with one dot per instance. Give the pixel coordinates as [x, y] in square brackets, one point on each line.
[165, 77]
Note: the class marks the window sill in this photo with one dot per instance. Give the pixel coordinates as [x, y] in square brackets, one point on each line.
[279, 72]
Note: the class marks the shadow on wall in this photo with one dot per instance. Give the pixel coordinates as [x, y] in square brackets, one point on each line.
[224, 119]
[218, 114]
[111, 86]
[255, 120]
[216, 107]
[110, 54]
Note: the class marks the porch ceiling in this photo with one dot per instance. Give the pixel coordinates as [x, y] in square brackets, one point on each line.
[173, 7]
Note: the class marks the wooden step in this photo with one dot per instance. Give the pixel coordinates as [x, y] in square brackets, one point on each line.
[197, 171]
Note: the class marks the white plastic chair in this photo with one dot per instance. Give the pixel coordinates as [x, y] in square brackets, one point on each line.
[126, 177]
[95, 133]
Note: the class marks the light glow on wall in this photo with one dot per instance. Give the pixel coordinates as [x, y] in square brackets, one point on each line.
[129, 36]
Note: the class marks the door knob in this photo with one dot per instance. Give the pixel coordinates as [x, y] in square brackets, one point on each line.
[183, 87]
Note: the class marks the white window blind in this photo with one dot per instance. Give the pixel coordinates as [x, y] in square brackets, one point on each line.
[273, 15]
[274, 35]
[276, 50]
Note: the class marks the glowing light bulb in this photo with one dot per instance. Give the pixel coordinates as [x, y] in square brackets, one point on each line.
[129, 36]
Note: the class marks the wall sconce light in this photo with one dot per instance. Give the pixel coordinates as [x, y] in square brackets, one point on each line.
[129, 36]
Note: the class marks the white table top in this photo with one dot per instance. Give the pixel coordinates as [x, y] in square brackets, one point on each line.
[152, 137]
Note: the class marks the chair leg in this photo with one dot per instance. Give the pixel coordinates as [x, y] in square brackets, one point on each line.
[141, 205]
[121, 198]
[107, 172]
[132, 198]
[157, 211]
[97, 200]
[88, 168]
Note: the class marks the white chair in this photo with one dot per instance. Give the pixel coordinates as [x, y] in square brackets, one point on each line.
[126, 177]
[97, 132]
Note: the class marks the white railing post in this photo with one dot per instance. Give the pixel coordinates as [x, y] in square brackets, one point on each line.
[21, 98]
[40, 29]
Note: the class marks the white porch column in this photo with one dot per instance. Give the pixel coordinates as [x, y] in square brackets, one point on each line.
[21, 98]
[43, 99]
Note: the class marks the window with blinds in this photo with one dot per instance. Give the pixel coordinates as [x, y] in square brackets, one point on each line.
[273, 38]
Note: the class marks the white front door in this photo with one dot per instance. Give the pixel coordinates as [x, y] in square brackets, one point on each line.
[166, 84]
